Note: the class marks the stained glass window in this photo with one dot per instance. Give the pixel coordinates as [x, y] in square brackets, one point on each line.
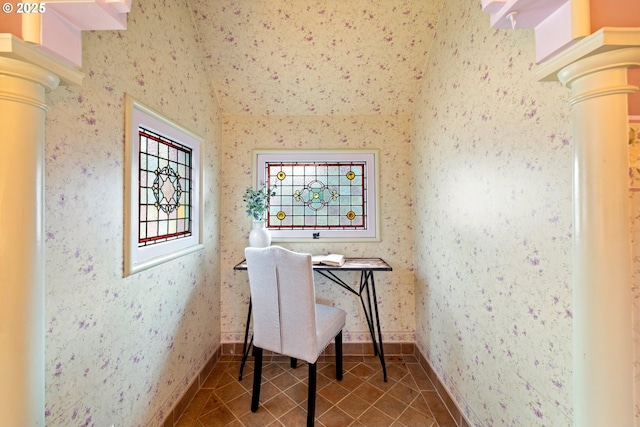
[165, 189]
[320, 194]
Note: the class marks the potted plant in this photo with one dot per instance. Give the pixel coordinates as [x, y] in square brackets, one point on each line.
[257, 205]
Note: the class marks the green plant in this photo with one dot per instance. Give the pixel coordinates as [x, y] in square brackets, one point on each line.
[257, 201]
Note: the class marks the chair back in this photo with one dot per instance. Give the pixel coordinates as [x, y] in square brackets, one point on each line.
[283, 298]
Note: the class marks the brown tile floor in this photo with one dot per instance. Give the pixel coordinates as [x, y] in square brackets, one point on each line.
[362, 398]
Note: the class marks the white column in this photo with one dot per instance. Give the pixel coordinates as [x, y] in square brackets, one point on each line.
[602, 337]
[22, 120]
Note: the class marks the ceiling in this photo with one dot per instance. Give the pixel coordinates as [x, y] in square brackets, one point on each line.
[316, 57]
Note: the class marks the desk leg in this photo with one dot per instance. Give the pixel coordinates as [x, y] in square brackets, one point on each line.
[368, 285]
[246, 347]
[375, 305]
[368, 313]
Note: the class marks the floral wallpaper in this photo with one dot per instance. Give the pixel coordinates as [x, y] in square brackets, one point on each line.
[311, 57]
[308, 74]
[121, 351]
[475, 197]
[492, 168]
[390, 134]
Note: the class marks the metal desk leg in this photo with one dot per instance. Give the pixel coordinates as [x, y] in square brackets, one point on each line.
[246, 347]
[375, 305]
[365, 284]
[368, 315]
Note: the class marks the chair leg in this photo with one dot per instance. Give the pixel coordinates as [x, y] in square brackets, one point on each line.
[311, 398]
[338, 341]
[294, 363]
[257, 378]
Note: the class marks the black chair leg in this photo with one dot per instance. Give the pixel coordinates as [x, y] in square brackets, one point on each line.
[338, 341]
[294, 363]
[257, 378]
[311, 398]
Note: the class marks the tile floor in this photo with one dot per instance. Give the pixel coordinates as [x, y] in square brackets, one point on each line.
[361, 399]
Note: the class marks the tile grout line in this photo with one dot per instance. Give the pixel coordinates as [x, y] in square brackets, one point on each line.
[403, 368]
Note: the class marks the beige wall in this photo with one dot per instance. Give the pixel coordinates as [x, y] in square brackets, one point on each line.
[389, 134]
[121, 351]
[492, 156]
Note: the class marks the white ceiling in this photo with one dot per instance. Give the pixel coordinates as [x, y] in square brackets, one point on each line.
[324, 57]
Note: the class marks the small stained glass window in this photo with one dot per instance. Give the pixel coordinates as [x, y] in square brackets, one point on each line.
[165, 189]
[320, 195]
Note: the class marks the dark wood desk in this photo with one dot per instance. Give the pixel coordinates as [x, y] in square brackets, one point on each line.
[365, 290]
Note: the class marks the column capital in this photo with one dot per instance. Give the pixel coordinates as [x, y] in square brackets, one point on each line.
[26, 71]
[601, 74]
[12, 47]
[25, 83]
[608, 60]
[602, 41]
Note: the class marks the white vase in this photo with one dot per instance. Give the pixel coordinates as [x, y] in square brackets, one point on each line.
[260, 236]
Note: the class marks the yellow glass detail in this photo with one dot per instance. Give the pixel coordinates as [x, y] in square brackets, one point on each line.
[281, 215]
[281, 175]
[351, 215]
[351, 175]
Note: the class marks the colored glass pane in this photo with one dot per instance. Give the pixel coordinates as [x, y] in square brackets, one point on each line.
[317, 195]
[165, 185]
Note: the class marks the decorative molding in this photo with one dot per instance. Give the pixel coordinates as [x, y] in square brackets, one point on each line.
[120, 6]
[603, 40]
[492, 6]
[15, 48]
[12, 71]
[557, 23]
[57, 30]
[91, 14]
[563, 28]
[530, 13]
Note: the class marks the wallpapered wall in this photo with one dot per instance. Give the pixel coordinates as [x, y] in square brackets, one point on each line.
[492, 167]
[121, 351]
[475, 208]
[389, 134]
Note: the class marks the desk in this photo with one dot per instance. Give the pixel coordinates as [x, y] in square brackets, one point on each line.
[366, 291]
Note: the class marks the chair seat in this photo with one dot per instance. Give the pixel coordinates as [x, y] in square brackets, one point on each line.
[329, 321]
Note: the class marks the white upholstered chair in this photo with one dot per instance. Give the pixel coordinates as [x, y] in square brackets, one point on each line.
[286, 318]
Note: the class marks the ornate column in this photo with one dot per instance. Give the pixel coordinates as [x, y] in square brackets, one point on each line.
[27, 72]
[589, 45]
[22, 118]
[26, 75]
[602, 337]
